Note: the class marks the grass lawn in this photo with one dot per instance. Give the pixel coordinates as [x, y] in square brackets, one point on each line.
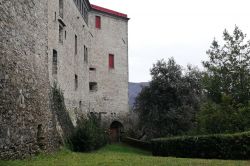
[116, 155]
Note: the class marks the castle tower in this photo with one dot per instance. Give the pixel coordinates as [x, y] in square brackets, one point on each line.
[88, 58]
[82, 48]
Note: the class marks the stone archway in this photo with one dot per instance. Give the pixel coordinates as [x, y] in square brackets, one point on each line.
[116, 130]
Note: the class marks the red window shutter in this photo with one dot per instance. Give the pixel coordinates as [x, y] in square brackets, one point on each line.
[111, 61]
[98, 22]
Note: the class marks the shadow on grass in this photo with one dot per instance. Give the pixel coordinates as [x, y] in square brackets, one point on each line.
[124, 148]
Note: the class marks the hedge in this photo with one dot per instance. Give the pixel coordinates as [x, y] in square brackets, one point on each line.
[137, 143]
[220, 146]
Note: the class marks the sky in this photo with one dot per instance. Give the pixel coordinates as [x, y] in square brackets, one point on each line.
[183, 29]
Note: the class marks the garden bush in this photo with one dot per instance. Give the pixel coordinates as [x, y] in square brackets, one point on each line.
[88, 135]
[221, 146]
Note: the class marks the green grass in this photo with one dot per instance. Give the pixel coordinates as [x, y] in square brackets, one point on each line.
[116, 155]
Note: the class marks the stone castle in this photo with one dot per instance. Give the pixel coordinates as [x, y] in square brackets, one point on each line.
[83, 48]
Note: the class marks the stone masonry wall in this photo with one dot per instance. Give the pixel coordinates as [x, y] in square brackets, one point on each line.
[69, 64]
[111, 98]
[29, 32]
[26, 122]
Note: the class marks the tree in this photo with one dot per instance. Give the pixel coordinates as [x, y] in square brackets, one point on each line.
[226, 83]
[228, 68]
[168, 105]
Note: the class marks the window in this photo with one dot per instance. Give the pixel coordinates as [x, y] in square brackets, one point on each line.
[80, 7]
[98, 22]
[75, 45]
[85, 54]
[79, 4]
[54, 62]
[83, 12]
[76, 82]
[111, 61]
[92, 69]
[86, 15]
[60, 34]
[61, 8]
[80, 105]
[40, 137]
[83, 9]
[93, 86]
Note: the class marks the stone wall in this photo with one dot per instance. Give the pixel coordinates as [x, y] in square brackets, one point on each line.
[69, 64]
[111, 98]
[26, 122]
[29, 33]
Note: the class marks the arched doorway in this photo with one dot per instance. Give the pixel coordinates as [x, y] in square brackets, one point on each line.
[116, 130]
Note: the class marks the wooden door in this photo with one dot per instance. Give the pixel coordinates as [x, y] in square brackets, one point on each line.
[114, 135]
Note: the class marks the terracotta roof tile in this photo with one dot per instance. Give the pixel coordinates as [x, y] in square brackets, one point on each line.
[102, 9]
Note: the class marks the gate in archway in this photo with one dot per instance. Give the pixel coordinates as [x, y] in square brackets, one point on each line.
[116, 130]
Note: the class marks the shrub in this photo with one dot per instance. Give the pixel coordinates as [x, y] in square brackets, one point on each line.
[222, 146]
[137, 143]
[225, 117]
[88, 135]
[59, 110]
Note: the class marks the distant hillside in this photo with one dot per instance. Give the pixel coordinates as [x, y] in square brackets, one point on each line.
[133, 90]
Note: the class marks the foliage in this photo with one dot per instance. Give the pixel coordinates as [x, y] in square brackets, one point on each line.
[59, 110]
[223, 117]
[137, 143]
[134, 133]
[88, 135]
[224, 146]
[168, 105]
[228, 68]
[226, 83]
[115, 155]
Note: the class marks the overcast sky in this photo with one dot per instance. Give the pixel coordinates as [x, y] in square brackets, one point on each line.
[183, 29]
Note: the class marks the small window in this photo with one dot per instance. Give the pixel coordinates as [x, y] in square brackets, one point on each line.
[75, 45]
[54, 62]
[111, 61]
[92, 86]
[98, 22]
[80, 7]
[60, 34]
[40, 137]
[61, 8]
[85, 54]
[76, 82]
[86, 15]
[80, 105]
[92, 69]
[82, 11]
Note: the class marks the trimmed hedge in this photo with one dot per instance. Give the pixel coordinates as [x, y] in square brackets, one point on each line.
[137, 143]
[220, 146]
